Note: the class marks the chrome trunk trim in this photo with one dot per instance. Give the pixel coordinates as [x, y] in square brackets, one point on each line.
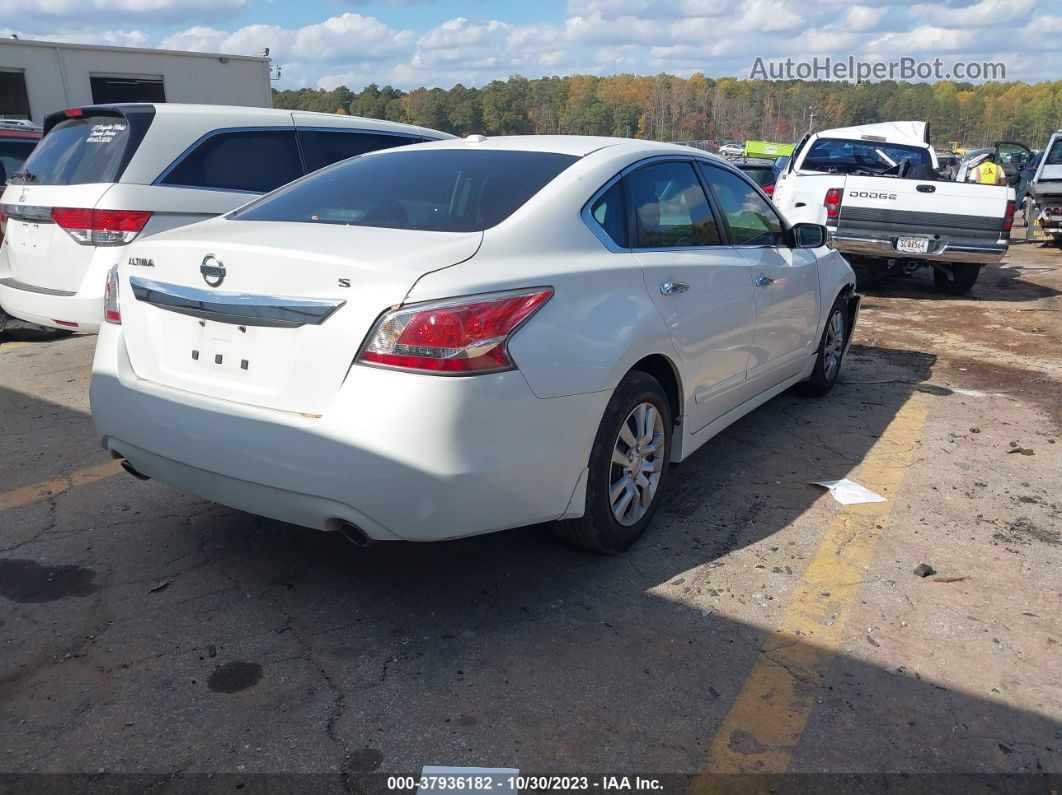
[236, 308]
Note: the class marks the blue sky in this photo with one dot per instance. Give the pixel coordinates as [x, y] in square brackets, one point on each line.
[410, 43]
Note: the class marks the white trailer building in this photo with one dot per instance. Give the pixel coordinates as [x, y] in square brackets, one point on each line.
[40, 77]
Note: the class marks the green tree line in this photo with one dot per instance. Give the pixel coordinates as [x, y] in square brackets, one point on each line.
[665, 107]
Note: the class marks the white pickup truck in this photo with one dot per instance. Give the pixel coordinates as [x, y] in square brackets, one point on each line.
[1045, 191]
[876, 187]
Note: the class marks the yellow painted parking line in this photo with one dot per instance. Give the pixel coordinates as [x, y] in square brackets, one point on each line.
[764, 725]
[27, 495]
[11, 346]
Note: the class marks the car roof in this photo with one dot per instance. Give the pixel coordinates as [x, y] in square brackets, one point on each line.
[577, 145]
[247, 115]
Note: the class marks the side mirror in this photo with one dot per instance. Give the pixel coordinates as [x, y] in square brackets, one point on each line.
[809, 235]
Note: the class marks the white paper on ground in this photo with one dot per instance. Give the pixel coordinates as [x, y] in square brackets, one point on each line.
[848, 492]
[495, 779]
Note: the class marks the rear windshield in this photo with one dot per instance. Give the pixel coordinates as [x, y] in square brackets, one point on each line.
[761, 175]
[79, 151]
[847, 157]
[12, 155]
[440, 190]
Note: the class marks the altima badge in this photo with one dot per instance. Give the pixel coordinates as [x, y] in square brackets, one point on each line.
[213, 271]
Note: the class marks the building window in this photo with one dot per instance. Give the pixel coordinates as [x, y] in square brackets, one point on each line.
[14, 99]
[106, 90]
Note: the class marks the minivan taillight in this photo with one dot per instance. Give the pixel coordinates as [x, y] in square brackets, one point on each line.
[100, 227]
[461, 336]
[1008, 217]
[112, 311]
[832, 203]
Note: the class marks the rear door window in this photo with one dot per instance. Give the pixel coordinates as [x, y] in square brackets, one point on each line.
[79, 151]
[670, 207]
[252, 161]
[322, 148]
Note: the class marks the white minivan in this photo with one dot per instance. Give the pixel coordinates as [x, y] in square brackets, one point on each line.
[105, 175]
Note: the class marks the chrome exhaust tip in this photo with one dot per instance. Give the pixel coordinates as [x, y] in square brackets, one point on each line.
[133, 471]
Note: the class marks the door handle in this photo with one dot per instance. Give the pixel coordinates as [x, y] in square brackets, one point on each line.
[764, 281]
[670, 288]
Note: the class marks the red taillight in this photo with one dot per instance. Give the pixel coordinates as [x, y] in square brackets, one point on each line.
[100, 227]
[112, 311]
[769, 190]
[468, 335]
[67, 323]
[74, 113]
[1008, 216]
[832, 203]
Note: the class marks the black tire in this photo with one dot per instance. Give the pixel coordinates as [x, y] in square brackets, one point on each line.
[962, 278]
[1030, 228]
[824, 376]
[598, 529]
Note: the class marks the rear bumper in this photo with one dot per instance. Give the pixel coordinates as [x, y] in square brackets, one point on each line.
[885, 248]
[44, 306]
[402, 456]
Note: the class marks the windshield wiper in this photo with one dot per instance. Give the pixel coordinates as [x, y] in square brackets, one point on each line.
[25, 176]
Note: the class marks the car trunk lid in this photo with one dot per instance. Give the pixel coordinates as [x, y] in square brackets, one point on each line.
[269, 314]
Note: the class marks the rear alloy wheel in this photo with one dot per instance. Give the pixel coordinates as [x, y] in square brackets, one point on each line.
[636, 464]
[960, 281]
[830, 354]
[628, 468]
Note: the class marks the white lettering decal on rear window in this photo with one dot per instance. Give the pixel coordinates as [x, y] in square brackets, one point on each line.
[104, 133]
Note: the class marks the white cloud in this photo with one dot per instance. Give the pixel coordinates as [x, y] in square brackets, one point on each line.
[863, 17]
[924, 39]
[96, 11]
[351, 37]
[986, 12]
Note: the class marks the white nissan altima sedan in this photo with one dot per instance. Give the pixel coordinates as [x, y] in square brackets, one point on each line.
[464, 336]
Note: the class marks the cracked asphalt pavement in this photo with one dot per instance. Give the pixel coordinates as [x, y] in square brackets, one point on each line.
[145, 631]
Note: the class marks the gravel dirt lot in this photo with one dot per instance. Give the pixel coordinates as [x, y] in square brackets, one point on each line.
[761, 627]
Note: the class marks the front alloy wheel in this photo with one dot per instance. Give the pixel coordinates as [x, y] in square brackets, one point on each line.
[830, 354]
[833, 349]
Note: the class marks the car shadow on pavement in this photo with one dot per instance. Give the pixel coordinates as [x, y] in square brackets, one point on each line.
[198, 639]
[996, 283]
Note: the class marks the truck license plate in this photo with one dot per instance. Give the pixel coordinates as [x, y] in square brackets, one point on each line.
[912, 245]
